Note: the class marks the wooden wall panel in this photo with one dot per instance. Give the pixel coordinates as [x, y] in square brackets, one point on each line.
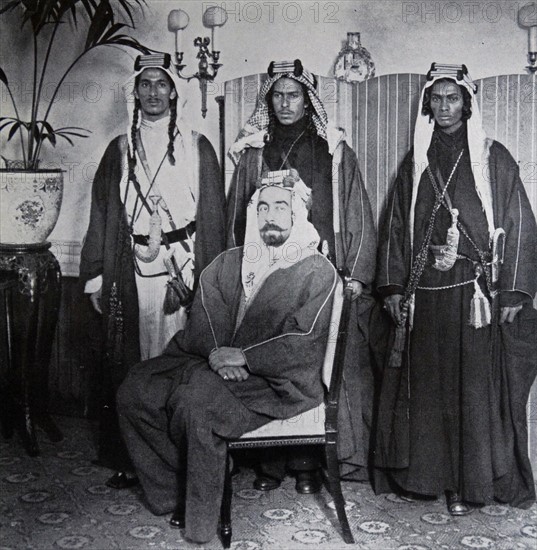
[379, 115]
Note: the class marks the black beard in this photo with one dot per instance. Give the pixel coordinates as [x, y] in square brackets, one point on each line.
[273, 239]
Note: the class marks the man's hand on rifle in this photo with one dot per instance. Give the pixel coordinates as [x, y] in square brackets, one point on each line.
[508, 314]
[392, 304]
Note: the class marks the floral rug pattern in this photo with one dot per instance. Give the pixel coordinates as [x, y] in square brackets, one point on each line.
[59, 501]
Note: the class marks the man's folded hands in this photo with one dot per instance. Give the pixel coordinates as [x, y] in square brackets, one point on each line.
[229, 363]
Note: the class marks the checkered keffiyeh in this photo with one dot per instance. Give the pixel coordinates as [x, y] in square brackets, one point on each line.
[259, 120]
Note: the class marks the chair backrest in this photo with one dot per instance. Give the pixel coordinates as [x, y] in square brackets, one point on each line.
[333, 331]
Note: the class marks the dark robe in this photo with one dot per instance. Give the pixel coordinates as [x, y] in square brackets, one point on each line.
[175, 412]
[107, 251]
[453, 417]
[352, 250]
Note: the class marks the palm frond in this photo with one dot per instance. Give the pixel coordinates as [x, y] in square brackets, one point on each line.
[102, 17]
[13, 131]
[3, 77]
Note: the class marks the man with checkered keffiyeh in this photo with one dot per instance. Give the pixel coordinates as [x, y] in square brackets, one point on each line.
[289, 130]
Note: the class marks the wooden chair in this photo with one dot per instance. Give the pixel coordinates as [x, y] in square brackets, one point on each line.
[318, 426]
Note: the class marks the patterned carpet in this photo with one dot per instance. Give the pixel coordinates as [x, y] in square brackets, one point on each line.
[59, 501]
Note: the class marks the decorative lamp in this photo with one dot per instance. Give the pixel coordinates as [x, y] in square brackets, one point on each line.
[177, 21]
[527, 18]
[354, 63]
[213, 17]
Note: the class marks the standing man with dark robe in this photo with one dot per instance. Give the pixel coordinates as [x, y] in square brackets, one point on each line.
[457, 268]
[289, 129]
[252, 351]
[157, 219]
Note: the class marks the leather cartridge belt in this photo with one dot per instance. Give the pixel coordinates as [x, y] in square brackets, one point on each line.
[173, 236]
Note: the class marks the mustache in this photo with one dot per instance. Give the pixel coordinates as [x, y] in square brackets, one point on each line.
[271, 227]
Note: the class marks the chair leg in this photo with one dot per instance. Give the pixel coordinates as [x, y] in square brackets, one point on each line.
[225, 509]
[335, 489]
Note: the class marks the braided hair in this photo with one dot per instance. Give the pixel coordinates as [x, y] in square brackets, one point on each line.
[134, 127]
[131, 155]
[171, 129]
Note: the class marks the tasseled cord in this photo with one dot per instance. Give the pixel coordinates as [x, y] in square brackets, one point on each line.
[115, 326]
[172, 302]
[480, 315]
[177, 293]
[407, 314]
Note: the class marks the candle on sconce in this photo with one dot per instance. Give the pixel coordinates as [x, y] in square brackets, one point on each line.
[178, 41]
[532, 40]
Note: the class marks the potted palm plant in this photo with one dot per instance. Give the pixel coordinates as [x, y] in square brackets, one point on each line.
[30, 197]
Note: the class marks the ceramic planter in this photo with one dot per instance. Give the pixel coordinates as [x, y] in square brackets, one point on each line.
[29, 205]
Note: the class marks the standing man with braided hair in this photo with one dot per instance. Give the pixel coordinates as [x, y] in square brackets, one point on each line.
[157, 219]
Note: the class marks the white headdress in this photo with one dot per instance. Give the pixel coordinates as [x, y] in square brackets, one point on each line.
[259, 260]
[478, 143]
[160, 61]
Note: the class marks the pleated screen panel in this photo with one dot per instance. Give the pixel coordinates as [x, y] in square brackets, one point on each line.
[509, 109]
[384, 111]
[240, 96]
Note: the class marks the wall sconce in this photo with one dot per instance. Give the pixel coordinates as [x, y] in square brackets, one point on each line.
[213, 17]
[527, 18]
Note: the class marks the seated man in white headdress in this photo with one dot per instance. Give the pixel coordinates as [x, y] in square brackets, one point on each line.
[457, 268]
[252, 351]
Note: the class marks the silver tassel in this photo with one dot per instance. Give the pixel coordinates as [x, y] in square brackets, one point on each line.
[480, 315]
